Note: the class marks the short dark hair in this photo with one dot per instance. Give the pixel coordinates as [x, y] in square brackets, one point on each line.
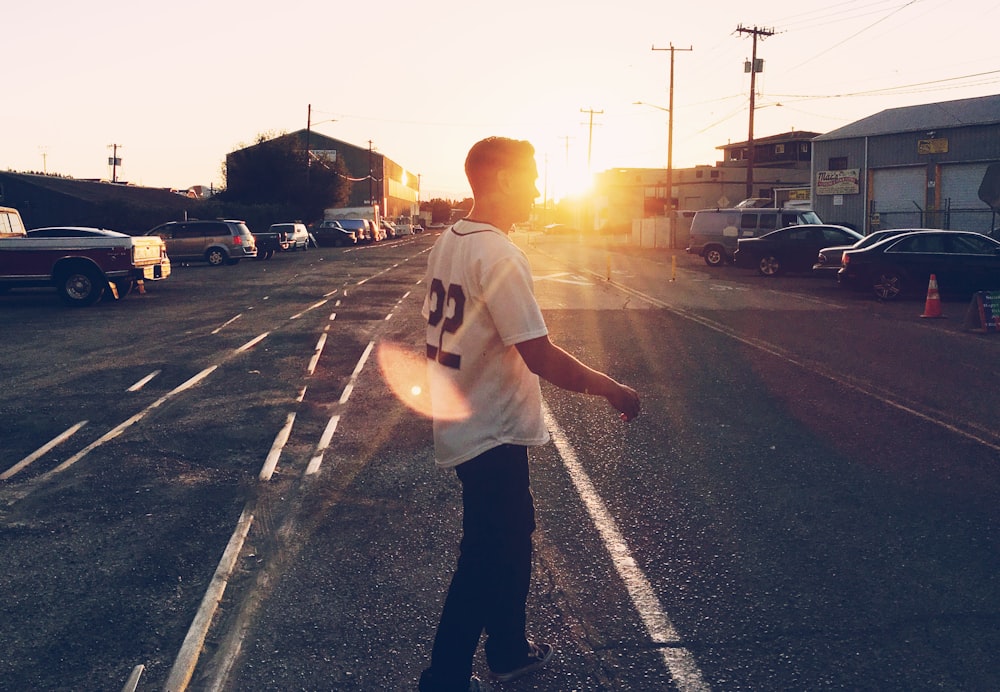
[487, 156]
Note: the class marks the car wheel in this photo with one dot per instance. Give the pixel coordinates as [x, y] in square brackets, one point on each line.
[714, 256]
[888, 284]
[81, 286]
[215, 257]
[769, 265]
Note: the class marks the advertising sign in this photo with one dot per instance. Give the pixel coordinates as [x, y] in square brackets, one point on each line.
[842, 182]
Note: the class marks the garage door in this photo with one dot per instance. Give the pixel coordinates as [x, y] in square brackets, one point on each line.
[899, 195]
[960, 197]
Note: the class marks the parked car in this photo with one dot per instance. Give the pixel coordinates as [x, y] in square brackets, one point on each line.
[217, 242]
[559, 229]
[296, 235]
[828, 259]
[715, 232]
[790, 249]
[365, 229]
[81, 263]
[417, 228]
[269, 242]
[961, 261]
[402, 227]
[331, 234]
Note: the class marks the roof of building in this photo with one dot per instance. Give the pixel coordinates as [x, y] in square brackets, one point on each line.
[98, 191]
[793, 135]
[983, 110]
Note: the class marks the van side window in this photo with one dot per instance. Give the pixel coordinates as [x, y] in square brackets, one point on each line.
[767, 222]
[789, 219]
[748, 222]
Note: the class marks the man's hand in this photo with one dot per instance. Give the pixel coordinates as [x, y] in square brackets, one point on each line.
[626, 401]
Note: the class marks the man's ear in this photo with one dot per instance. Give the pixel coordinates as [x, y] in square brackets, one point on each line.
[503, 180]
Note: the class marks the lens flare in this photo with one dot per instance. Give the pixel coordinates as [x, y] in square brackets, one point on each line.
[405, 371]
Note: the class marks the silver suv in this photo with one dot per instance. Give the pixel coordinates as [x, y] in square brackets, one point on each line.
[715, 232]
[216, 242]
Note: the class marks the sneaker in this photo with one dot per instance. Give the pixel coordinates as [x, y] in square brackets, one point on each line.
[477, 685]
[538, 656]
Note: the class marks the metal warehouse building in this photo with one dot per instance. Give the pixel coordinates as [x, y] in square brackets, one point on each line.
[917, 166]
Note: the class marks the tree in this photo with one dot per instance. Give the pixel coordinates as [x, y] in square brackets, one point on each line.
[274, 171]
[440, 209]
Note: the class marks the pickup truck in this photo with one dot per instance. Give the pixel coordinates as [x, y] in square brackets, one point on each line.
[81, 263]
[271, 241]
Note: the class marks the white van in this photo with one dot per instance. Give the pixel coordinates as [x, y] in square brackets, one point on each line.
[714, 232]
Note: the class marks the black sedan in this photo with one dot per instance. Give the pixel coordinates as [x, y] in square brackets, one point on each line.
[828, 260]
[332, 234]
[793, 248]
[961, 261]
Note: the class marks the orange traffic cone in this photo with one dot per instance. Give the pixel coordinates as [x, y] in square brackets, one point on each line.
[932, 308]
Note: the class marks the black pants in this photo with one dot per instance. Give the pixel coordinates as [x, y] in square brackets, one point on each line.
[489, 589]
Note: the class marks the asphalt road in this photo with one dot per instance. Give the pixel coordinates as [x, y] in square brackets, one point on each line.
[808, 500]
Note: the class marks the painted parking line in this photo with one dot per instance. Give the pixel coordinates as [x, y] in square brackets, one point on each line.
[143, 382]
[678, 660]
[42, 451]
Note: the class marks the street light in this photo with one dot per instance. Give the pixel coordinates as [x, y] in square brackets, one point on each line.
[309, 124]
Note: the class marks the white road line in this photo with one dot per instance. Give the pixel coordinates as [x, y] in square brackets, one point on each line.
[318, 351]
[679, 661]
[226, 324]
[357, 371]
[311, 307]
[280, 440]
[187, 659]
[42, 451]
[143, 382]
[133, 679]
[253, 342]
[324, 442]
[777, 351]
[125, 425]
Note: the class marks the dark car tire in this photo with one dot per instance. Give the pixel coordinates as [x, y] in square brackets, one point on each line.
[887, 284]
[769, 265]
[714, 256]
[215, 257]
[81, 286]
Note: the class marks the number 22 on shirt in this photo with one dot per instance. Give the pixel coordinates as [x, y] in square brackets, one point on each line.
[442, 302]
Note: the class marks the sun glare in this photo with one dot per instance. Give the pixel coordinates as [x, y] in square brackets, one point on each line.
[406, 374]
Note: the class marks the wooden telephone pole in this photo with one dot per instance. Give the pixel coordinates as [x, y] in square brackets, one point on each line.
[753, 68]
[670, 142]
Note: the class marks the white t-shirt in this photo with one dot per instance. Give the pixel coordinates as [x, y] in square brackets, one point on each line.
[480, 303]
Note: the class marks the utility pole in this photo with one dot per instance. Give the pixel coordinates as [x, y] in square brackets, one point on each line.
[309, 117]
[371, 175]
[670, 141]
[114, 162]
[588, 223]
[753, 68]
[590, 135]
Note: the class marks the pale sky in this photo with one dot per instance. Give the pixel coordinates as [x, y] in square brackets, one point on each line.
[181, 84]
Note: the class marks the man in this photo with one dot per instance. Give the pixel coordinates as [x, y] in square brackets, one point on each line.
[487, 346]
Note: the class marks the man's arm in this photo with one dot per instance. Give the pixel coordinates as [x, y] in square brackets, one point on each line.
[555, 365]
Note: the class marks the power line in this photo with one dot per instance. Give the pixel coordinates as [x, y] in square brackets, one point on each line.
[854, 35]
[888, 90]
